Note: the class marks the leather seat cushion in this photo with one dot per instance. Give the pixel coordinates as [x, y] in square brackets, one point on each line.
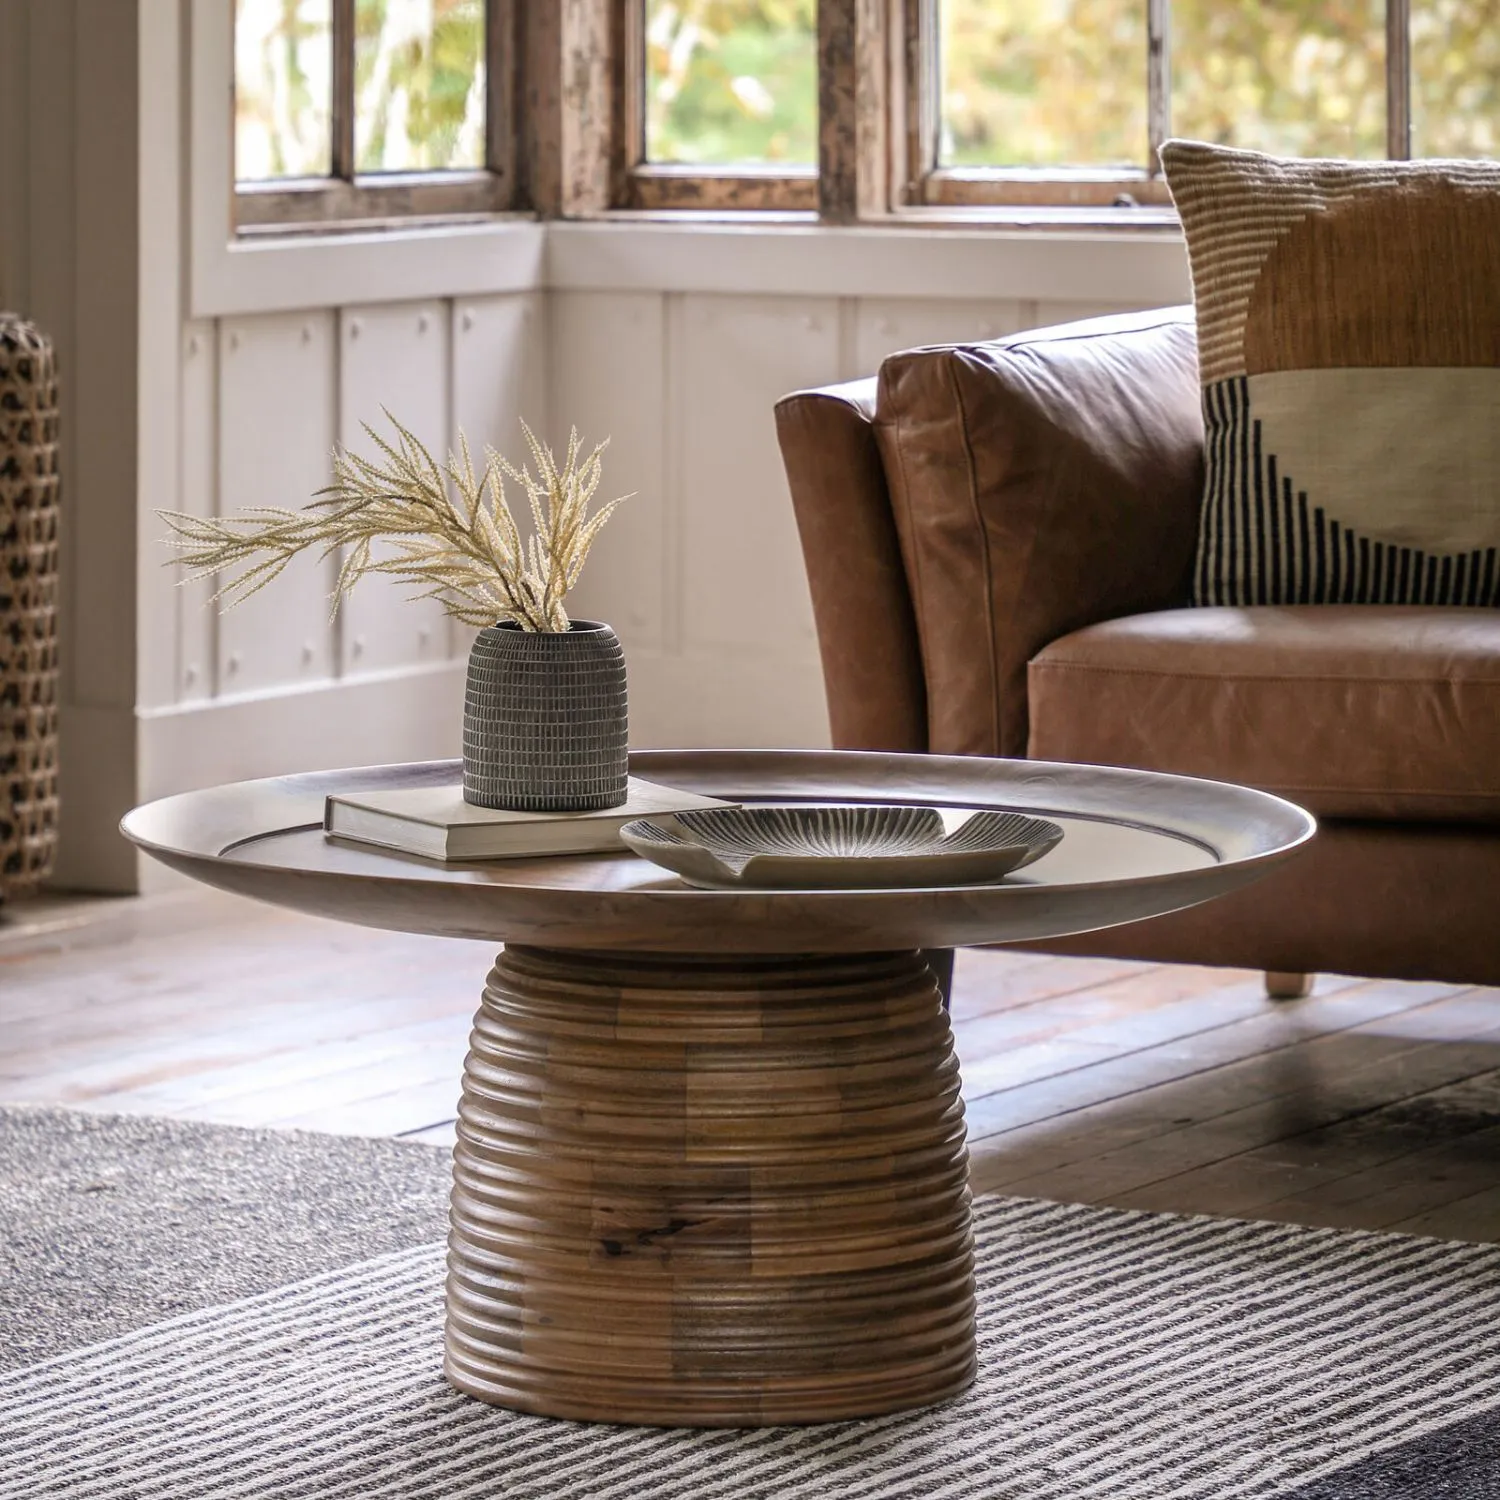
[1357, 711]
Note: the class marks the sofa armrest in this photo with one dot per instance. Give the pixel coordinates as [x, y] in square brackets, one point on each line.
[1039, 483]
[872, 671]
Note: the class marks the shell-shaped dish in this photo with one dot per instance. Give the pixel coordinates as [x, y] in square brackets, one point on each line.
[837, 847]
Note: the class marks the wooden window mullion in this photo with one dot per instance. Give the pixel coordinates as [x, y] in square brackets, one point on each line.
[628, 146]
[502, 92]
[1398, 79]
[874, 89]
[1158, 80]
[570, 114]
[342, 42]
[838, 152]
[922, 90]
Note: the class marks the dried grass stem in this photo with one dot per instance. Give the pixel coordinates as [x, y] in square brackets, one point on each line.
[442, 530]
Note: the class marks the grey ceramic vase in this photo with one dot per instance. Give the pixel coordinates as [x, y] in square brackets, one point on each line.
[545, 727]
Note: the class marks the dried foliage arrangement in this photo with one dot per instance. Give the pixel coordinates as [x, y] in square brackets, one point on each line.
[445, 531]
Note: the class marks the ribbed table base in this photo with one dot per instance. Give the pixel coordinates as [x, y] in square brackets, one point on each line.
[699, 1191]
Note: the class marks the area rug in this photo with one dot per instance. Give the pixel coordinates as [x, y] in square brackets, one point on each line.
[112, 1222]
[1122, 1355]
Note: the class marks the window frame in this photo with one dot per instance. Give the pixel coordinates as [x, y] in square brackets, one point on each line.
[646, 186]
[926, 183]
[566, 135]
[879, 100]
[348, 199]
[879, 89]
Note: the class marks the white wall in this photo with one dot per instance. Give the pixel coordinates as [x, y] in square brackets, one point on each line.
[244, 368]
[276, 683]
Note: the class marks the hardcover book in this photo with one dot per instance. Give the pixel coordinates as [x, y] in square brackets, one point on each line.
[436, 823]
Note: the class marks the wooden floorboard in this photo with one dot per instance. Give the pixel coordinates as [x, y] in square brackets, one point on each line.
[1368, 1105]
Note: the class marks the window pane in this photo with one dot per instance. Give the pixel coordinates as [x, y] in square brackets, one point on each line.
[1043, 83]
[1455, 87]
[419, 85]
[283, 71]
[1286, 76]
[732, 82]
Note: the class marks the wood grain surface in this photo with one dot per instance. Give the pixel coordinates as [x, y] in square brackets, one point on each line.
[707, 1191]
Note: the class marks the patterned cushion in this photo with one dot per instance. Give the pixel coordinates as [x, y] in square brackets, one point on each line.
[1349, 349]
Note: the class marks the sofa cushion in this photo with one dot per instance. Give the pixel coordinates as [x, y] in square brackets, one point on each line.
[1349, 337]
[1375, 712]
[1039, 482]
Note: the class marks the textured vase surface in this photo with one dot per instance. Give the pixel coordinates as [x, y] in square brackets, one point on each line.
[545, 724]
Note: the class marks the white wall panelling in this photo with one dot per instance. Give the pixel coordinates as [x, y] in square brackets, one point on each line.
[500, 364]
[741, 580]
[884, 325]
[728, 696]
[277, 425]
[358, 721]
[393, 358]
[1137, 267]
[1072, 310]
[196, 658]
[608, 374]
[742, 564]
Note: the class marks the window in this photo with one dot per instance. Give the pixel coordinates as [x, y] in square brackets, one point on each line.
[728, 112]
[1066, 101]
[360, 110]
[365, 110]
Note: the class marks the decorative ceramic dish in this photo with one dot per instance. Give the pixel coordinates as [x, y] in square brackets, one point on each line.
[837, 847]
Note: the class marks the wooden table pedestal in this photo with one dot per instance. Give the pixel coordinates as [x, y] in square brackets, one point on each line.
[705, 1190]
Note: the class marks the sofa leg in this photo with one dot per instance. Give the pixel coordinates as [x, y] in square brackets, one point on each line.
[1281, 985]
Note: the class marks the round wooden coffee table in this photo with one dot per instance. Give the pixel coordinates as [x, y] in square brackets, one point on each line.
[710, 1165]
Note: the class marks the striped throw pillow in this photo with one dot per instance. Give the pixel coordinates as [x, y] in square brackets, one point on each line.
[1349, 349]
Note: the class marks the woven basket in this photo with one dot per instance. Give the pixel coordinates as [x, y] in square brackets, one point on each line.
[28, 607]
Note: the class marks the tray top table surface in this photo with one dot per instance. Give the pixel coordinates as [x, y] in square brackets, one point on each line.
[1137, 844]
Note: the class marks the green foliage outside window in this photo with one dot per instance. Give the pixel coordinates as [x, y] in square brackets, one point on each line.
[1293, 77]
[418, 85]
[732, 81]
[282, 84]
[1455, 47]
[1030, 83]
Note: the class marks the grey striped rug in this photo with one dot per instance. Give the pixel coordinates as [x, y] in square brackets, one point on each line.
[1121, 1355]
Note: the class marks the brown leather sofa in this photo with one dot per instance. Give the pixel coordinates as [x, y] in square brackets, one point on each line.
[999, 537]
